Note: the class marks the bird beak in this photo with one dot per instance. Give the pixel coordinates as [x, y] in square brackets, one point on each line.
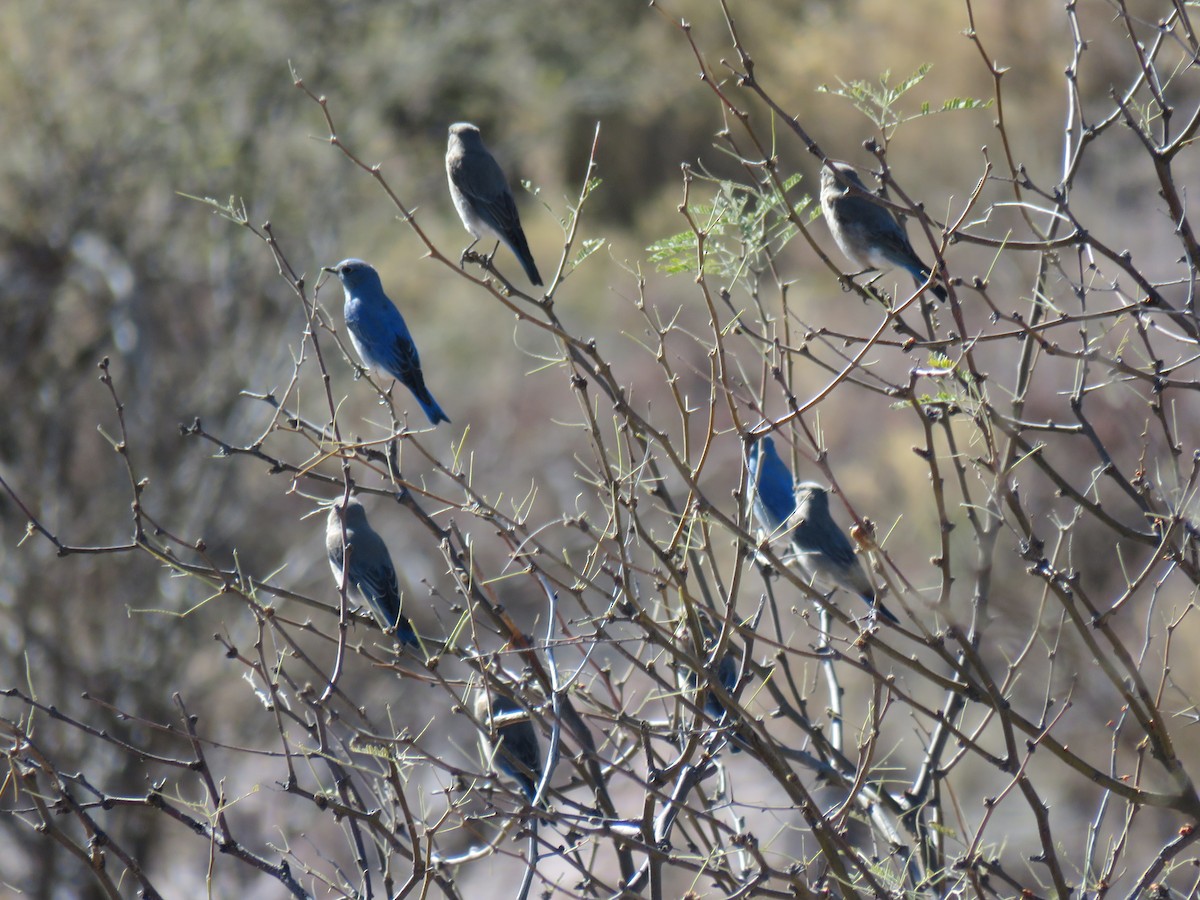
[329, 269]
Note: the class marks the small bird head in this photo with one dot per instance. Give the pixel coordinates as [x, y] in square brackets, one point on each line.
[465, 132]
[766, 446]
[811, 499]
[352, 511]
[494, 709]
[837, 175]
[354, 273]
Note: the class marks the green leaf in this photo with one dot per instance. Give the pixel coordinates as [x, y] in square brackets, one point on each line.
[964, 103]
[911, 82]
[881, 103]
[587, 248]
[675, 254]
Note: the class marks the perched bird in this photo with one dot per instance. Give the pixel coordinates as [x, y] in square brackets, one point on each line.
[774, 488]
[512, 748]
[823, 551]
[864, 230]
[371, 579]
[379, 334]
[726, 671]
[481, 195]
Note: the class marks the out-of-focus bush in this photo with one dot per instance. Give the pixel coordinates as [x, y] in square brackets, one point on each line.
[1025, 452]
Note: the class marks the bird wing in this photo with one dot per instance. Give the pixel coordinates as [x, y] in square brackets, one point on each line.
[828, 554]
[830, 542]
[519, 755]
[402, 360]
[484, 184]
[378, 586]
[872, 221]
[873, 237]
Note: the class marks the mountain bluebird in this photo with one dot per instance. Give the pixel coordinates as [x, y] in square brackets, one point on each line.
[864, 230]
[774, 489]
[512, 748]
[726, 672]
[823, 551]
[371, 579]
[379, 334]
[481, 195]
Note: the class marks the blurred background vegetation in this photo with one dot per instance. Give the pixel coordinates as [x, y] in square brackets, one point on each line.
[112, 112]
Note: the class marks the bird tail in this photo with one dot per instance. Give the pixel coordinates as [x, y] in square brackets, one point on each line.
[529, 790]
[922, 275]
[429, 405]
[520, 248]
[528, 786]
[405, 633]
[881, 609]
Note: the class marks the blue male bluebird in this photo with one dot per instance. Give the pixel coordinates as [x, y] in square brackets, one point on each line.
[823, 551]
[865, 231]
[482, 197]
[772, 484]
[512, 747]
[727, 673]
[371, 578]
[379, 334]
